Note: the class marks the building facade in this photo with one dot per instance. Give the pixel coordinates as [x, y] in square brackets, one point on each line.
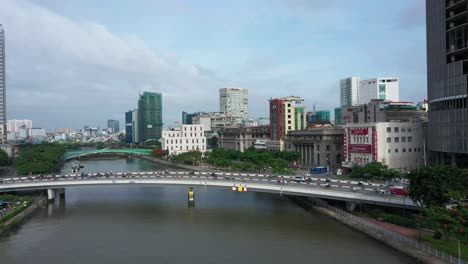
[114, 125]
[135, 127]
[318, 147]
[128, 127]
[447, 73]
[3, 114]
[36, 132]
[286, 114]
[187, 118]
[150, 116]
[234, 101]
[188, 138]
[338, 116]
[399, 145]
[15, 125]
[349, 91]
[386, 88]
[243, 138]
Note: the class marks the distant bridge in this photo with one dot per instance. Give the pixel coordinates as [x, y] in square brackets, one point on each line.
[130, 151]
[353, 192]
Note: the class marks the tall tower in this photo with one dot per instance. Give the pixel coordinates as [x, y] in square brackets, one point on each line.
[234, 101]
[3, 120]
[349, 91]
[150, 116]
[447, 81]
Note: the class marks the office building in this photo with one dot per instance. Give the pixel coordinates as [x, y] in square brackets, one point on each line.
[15, 125]
[3, 114]
[187, 118]
[242, 138]
[317, 146]
[338, 116]
[349, 91]
[113, 125]
[386, 88]
[187, 138]
[135, 127]
[447, 73]
[36, 132]
[234, 101]
[150, 116]
[128, 127]
[286, 114]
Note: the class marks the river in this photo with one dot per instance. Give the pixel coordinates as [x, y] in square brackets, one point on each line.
[136, 224]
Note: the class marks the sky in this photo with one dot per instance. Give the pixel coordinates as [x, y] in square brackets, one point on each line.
[80, 62]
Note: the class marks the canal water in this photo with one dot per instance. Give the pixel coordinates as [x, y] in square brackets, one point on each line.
[137, 224]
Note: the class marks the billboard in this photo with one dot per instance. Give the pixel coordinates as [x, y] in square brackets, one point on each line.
[359, 148]
[359, 131]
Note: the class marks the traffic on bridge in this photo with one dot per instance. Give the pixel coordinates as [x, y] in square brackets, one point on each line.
[352, 191]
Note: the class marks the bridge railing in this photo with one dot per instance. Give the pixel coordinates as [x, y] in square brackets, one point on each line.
[390, 234]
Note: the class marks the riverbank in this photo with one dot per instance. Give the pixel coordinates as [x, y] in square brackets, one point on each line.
[395, 241]
[17, 220]
[176, 165]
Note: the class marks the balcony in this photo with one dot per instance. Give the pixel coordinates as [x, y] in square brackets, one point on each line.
[452, 4]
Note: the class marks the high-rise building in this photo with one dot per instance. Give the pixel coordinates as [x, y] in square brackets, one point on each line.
[2, 87]
[349, 91]
[323, 116]
[386, 88]
[447, 73]
[338, 116]
[15, 125]
[286, 114]
[128, 127]
[234, 101]
[187, 118]
[135, 127]
[150, 116]
[114, 125]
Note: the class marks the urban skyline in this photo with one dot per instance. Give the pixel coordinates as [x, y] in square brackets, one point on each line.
[179, 74]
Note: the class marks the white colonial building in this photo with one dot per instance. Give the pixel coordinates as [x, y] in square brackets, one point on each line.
[399, 145]
[187, 138]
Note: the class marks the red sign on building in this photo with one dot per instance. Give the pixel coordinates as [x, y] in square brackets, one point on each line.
[345, 144]
[360, 148]
[374, 143]
[359, 131]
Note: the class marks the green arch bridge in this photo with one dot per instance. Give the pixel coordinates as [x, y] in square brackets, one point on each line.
[132, 151]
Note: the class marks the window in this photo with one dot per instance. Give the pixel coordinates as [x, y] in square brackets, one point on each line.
[318, 147]
[389, 129]
[396, 129]
[410, 139]
[289, 121]
[414, 150]
[404, 150]
[396, 139]
[389, 140]
[409, 129]
[419, 149]
[409, 150]
[389, 151]
[403, 139]
[403, 130]
[328, 147]
[396, 150]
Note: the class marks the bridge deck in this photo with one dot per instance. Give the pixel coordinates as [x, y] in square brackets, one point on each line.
[253, 182]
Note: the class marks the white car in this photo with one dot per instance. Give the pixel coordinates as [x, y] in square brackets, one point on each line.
[298, 179]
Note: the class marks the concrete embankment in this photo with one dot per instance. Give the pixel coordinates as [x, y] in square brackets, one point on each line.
[419, 255]
[37, 203]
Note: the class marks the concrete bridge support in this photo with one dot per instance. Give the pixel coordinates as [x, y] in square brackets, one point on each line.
[350, 206]
[50, 194]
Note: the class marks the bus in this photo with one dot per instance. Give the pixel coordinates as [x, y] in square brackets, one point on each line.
[319, 170]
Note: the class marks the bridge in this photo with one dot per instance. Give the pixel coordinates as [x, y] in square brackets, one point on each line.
[351, 192]
[129, 151]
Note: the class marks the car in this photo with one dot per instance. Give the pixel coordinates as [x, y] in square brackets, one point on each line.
[298, 179]
[398, 190]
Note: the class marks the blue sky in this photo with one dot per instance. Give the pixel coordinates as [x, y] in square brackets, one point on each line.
[86, 61]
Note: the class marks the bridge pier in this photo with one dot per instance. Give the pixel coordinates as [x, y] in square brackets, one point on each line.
[50, 195]
[350, 206]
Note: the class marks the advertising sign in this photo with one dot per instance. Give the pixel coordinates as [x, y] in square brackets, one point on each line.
[345, 145]
[360, 148]
[359, 131]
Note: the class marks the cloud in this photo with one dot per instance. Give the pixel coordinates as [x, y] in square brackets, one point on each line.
[62, 72]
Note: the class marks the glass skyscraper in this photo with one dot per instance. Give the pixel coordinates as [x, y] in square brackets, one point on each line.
[150, 116]
[447, 81]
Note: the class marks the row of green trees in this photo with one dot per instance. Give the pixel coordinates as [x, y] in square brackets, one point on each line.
[39, 158]
[374, 171]
[442, 192]
[251, 159]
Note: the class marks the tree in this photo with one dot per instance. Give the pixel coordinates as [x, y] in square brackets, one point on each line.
[100, 145]
[158, 153]
[4, 159]
[374, 170]
[438, 186]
